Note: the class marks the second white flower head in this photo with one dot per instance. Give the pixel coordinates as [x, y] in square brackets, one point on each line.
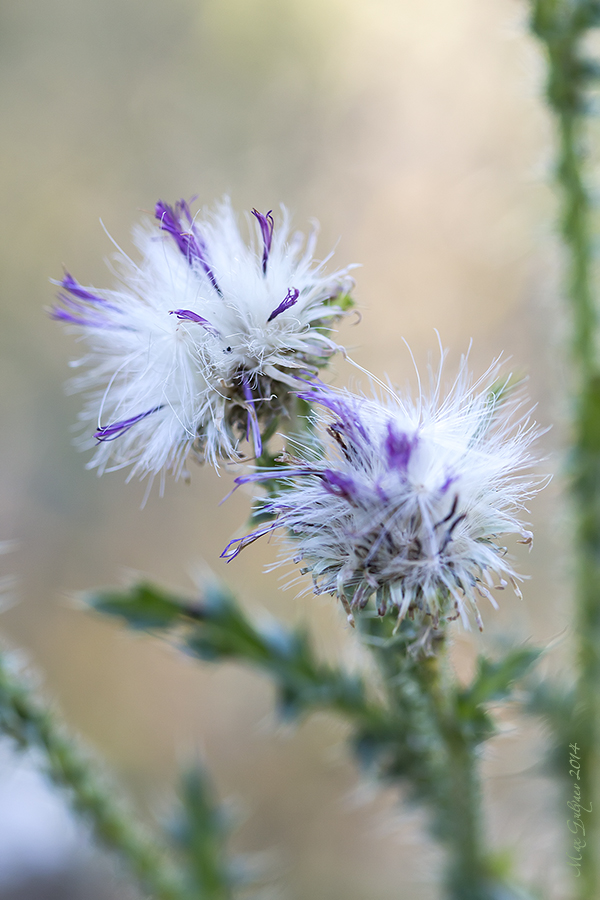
[410, 499]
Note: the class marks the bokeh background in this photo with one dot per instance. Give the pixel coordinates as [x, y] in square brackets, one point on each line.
[416, 134]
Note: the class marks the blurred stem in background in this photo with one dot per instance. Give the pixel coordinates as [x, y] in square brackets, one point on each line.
[34, 727]
[561, 25]
[195, 869]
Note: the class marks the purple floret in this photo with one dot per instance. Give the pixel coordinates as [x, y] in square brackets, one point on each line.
[252, 418]
[288, 301]
[399, 447]
[191, 316]
[267, 225]
[111, 432]
[239, 543]
[77, 317]
[450, 479]
[344, 407]
[185, 235]
[82, 307]
[73, 287]
[339, 484]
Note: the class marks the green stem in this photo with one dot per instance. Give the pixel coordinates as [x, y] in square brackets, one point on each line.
[585, 729]
[468, 875]
[561, 26]
[201, 835]
[434, 753]
[30, 725]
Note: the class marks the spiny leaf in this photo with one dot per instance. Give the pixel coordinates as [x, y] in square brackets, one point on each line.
[143, 605]
[493, 680]
[217, 628]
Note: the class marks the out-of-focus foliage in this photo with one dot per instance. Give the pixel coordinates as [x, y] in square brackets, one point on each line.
[188, 860]
[34, 727]
[424, 731]
[216, 628]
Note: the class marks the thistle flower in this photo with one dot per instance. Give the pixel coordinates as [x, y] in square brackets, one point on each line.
[410, 498]
[199, 343]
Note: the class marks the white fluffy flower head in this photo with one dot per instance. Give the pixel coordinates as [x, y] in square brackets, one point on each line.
[199, 343]
[411, 497]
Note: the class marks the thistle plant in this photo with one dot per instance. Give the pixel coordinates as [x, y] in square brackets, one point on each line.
[215, 347]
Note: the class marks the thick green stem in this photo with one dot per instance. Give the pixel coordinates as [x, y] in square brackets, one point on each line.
[435, 753]
[31, 725]
[468, 875]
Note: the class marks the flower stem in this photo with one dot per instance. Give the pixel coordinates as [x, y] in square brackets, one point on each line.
[467, 872]
[32, 726]
[434, 750]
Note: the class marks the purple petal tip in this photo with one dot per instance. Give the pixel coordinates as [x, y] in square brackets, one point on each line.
[179, 223]
[267, 224]
[288, 301]
[114, 431]
[191, 316]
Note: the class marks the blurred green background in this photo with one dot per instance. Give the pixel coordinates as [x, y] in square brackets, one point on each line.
[415, 134]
